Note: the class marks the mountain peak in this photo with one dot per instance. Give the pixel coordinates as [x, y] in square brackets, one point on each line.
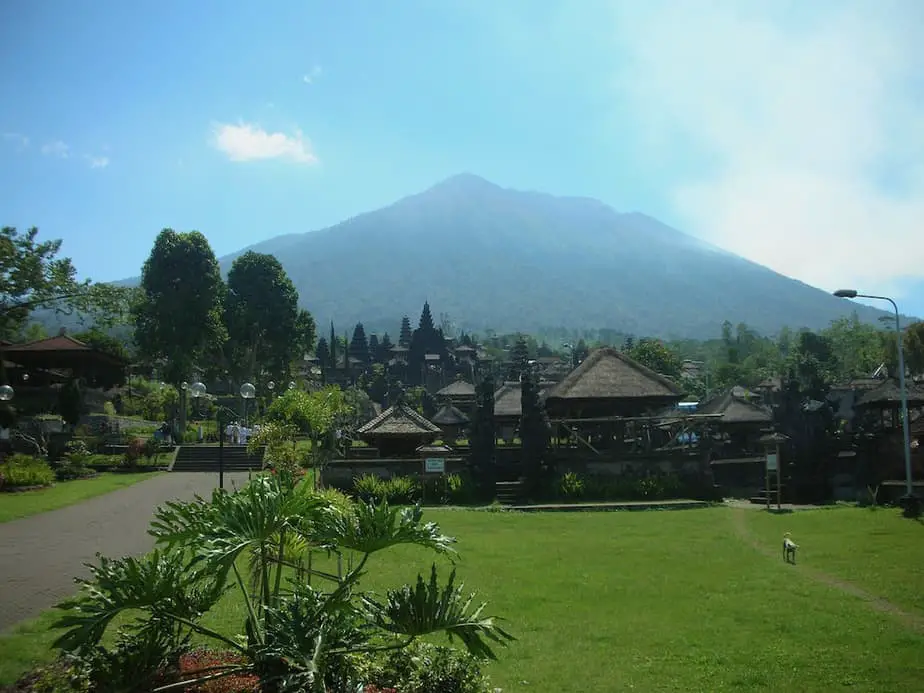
[465, 182]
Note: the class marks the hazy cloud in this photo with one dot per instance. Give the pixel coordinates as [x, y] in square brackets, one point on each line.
[16, 138]
[248, 142]
[97, 161]
[805, 125]
[56, 148]
[310, 76]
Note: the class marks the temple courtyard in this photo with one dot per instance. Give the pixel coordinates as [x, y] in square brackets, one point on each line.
[656, 601]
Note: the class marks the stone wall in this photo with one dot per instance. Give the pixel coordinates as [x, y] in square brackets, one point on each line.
[341, 473]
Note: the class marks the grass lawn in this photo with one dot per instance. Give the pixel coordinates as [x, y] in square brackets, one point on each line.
[64, 493]
[664, 601]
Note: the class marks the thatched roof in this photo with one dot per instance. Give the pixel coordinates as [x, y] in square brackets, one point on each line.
[459, 388]
[448, 415]
[888, 394]
[773, 437]
[735, 409]
[860, 384]
[608, 374]
[399, 420]
[508, 399]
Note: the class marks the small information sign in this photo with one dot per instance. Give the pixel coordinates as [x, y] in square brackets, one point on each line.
[435, 465]
[772, 462]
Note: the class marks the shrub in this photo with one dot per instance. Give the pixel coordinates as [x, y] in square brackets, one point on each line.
[26, 470]
[401, 490]
[69, 470]
[571, 486]
[109, 408]
[424, 668]
[369, 487]
[132, 454]
[458, 489]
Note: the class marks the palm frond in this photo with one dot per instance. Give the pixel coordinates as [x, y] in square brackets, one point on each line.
[371, 527]
[159, 583]
[429, 608]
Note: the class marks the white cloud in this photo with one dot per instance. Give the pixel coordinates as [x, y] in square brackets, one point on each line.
[247, 142]
[97, 161]
[56, 148]
[310, 76]
[808, 117]
[17, 138]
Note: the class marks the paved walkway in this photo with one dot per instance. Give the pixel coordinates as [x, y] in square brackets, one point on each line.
[41, 555]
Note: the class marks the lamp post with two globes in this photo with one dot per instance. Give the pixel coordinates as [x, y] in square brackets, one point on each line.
[222, 414]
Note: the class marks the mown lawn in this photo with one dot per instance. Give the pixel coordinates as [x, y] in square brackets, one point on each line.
[16, 505]
[662, 601]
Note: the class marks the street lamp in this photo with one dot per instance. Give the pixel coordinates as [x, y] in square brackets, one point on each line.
[906, 434]
[197, 390]
[6, 393]
[248, 391]
[291, 384]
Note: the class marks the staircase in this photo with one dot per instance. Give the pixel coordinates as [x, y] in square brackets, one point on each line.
[761, 497]
[204, 458]
[509, 492]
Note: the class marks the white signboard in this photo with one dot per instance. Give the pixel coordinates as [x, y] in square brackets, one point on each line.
[772, 463]
[435, 465]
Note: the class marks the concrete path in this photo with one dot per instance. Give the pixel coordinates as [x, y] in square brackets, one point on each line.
[41, 555]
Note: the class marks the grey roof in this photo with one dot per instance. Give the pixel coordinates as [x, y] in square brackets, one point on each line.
[735, 409]
[888, 393]
[608, 374]
[399, 420]
[459, 388]
[508, 398]
[448, 415]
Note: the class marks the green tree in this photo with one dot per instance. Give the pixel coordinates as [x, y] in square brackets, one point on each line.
[913, 344]
[33, 277]
[70, 402]
[374, 347]
[32, 332]
[332, 347]
[307, 332]
[178, 314]
[654, 354]
[262, 317]
[322, 351]
[104, 342]
[858, 347]
[383, 355]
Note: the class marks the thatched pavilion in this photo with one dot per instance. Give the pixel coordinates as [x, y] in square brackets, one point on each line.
[885, 400]
[451, 422]
[508, 406]
[461, 394]
[609, 383]
[739, 419]
[398, 431]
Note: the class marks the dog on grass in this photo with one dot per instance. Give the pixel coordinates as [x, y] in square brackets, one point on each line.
[789, 548]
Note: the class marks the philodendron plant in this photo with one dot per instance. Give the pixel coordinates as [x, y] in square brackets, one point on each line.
[304, 627]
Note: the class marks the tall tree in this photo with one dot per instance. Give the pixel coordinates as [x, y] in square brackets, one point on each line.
[404, 338]
[322, 351]
[33, 277]
[307, 332]
[359, 345]
[261, 314]
[178, 314]
[374, 347]
[332, 346]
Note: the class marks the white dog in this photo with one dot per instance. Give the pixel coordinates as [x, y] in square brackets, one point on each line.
[789, 548]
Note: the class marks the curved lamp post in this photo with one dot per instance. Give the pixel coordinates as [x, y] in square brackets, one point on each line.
[906, 443]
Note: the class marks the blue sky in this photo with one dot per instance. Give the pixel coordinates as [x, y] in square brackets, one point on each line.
[757, 126]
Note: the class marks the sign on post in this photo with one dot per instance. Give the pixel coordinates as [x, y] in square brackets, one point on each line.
[772, 462]
[435, 465]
